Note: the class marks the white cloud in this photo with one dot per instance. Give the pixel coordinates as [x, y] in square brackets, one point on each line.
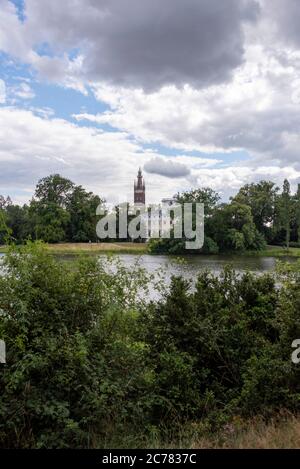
[22, 91]
[147, 58]
[33, 146]
[2, 92]
[258, 112]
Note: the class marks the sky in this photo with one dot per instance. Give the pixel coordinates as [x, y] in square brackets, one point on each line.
[197, 93]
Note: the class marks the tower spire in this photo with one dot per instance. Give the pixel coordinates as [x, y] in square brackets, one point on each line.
[139, 188]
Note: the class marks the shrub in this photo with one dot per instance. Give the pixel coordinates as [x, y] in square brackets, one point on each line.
[73, 369]
[90, 363]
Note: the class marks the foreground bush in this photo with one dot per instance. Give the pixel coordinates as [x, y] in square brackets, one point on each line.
[73, 370]
[90, 364]
[225, 348]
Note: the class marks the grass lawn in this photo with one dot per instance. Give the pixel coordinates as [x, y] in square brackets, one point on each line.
[279, 251]
[91, 248]
[141, 248]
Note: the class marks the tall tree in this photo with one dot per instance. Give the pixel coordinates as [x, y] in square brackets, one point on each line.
[297, 213]
[235, 229]
[261, 198]
[4, 202]
[19, 223]
[205, 195]
[54, 189]
[5, 231]
[285, 211]
[82, 207]
[48, 208]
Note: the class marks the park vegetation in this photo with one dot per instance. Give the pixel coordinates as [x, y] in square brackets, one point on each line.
[61, 212]
[92, 363]
[258, 215]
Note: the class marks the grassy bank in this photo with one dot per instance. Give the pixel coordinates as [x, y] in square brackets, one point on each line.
[276, 251]
[281, 432]
[93, 248]
[142, 248]
[256, 434]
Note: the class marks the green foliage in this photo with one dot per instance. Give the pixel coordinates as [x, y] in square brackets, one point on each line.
[235, 229]
[206, 196]
[59, 211]
[214, 331]
[54, 189]
[63, 212]
[82, 207]
[228, 227]
[285, 211]
[50, 221]
[261, 198]
[5, 231]
[89, 362]
[73, 367]
[297, 213]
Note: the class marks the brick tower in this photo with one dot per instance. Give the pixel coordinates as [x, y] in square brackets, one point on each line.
[139, 189]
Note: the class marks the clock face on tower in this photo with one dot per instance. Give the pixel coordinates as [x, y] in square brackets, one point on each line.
[139, 189]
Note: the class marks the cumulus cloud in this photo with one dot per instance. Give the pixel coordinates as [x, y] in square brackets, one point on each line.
[199, 75]
[168, 168]
[137, 43]
[32, 146]
[258, 112]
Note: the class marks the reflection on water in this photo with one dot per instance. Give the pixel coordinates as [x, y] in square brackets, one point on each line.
[189, 266]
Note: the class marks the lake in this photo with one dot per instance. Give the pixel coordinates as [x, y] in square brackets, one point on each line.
[189, 266]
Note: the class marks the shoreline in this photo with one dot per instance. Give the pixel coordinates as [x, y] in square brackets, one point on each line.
[142, 248]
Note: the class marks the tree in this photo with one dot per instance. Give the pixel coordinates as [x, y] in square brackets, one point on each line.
[49, 222]
[235, 229]
[48, 208]
[297, 213]
[4, 202]
[261, 198]
[205, 195]
[285, 211]
[18, 222]
[210, 199]
[54, 189]
[5, 231]
[81, 207]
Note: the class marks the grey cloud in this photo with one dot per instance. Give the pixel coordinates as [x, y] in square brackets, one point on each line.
[147, 43]
[271, 134]
[286, 14]
[166, 168]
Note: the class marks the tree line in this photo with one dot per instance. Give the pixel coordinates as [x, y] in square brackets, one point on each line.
[60, 211]
[259, 214]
